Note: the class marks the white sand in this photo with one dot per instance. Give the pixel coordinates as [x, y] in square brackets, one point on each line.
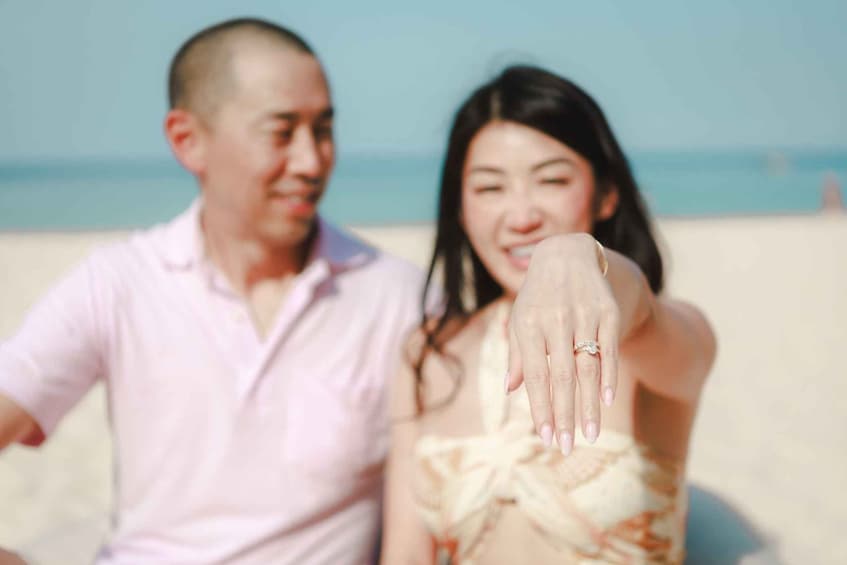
[771, 437]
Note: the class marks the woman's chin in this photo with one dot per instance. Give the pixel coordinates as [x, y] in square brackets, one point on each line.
[511, 284]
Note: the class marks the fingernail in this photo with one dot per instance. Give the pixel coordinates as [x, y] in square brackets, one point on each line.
[506, 383]
[566, 443]
[547, 435]
[608, 396]
[591, 432]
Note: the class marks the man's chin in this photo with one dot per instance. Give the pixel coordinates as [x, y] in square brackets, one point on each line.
[292, 233]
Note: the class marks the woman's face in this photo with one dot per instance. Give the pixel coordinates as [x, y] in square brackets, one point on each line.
[520, 186]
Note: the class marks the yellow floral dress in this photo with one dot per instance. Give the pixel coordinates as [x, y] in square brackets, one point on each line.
[613, 502]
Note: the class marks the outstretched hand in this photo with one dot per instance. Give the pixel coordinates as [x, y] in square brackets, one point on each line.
[565, 312]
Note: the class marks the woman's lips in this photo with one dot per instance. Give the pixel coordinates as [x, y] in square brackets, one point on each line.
[519, 256]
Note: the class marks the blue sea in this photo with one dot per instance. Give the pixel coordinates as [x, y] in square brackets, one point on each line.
[371, 190]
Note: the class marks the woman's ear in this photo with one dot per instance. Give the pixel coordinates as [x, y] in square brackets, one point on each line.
[184, 133]
[608, 204]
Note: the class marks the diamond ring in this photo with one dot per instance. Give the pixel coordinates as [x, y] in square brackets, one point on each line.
[588, 346]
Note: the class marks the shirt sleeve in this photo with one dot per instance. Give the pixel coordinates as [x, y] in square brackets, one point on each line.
[56, 355]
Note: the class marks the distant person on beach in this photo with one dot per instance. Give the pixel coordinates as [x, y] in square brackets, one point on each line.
[246, 346]
[831, 198]
[532, 180]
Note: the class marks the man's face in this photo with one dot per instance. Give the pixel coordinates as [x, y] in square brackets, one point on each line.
[269, 148]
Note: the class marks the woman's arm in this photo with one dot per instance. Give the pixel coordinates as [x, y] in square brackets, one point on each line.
[673, 350]
[405, 540]
[670, 342]
[566, 300]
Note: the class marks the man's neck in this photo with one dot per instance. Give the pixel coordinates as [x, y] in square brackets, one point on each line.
[263, 274]
[248, 261]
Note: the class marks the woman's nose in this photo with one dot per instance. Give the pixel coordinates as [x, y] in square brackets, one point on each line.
[523, 215]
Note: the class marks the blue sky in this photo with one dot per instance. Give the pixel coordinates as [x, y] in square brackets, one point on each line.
[86, 79]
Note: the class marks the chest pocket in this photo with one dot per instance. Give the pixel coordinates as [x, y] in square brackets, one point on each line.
[336, 431]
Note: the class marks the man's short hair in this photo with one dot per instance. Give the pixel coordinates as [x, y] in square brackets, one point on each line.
[201, 76]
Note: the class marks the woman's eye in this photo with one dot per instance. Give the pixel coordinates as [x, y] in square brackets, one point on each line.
[283, 134]
[487, 188]
[558, 181]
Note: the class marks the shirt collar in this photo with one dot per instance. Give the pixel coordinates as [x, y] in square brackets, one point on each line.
[180, 244]
[339, 250]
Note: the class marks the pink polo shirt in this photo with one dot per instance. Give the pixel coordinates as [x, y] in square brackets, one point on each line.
[228, 448]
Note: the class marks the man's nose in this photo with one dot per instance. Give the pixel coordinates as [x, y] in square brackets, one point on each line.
[304, 158]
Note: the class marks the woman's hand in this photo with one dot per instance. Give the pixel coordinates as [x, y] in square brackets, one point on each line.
[564, 308]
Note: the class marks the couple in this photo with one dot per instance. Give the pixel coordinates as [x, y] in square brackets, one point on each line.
[251, 350]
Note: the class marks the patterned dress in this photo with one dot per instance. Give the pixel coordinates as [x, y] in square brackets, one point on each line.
[613, 502]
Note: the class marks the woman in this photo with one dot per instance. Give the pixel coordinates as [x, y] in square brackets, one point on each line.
[535, 188]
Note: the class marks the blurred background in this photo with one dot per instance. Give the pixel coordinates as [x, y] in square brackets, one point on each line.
[732, 113]
[724, 107]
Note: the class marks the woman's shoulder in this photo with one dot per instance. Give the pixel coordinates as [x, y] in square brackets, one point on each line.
[674, 352]
[441, 354]
[453, 335]
[697, 323]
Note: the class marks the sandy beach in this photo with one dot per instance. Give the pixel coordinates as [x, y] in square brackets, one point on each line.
[770, 439]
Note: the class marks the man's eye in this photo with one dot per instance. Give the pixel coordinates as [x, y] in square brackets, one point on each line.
[283, 134]
[323, 132]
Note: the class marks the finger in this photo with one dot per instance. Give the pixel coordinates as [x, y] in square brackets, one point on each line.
[588, 377]
[532, 346]
[514, 374]
[562, 378]
[607, 335]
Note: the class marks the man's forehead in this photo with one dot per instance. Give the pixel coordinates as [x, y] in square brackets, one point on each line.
[282, 87]
[282, 66]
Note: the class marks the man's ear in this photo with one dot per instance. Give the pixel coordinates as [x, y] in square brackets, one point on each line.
[185, 135]
[608, 204]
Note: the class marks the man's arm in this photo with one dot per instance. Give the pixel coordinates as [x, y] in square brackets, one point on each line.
[7, 558]
[55, 356]
[16, 425]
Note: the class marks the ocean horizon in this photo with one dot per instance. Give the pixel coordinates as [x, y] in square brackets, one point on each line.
[111, 194]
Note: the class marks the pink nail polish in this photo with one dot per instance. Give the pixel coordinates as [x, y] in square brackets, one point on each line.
[547, 435]
[565, 443]
[591, 432]
[608, 396]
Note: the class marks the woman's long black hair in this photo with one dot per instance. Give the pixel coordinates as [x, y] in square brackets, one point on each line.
[553, 105]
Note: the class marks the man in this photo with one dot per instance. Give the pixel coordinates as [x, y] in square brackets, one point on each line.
[246, 346]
